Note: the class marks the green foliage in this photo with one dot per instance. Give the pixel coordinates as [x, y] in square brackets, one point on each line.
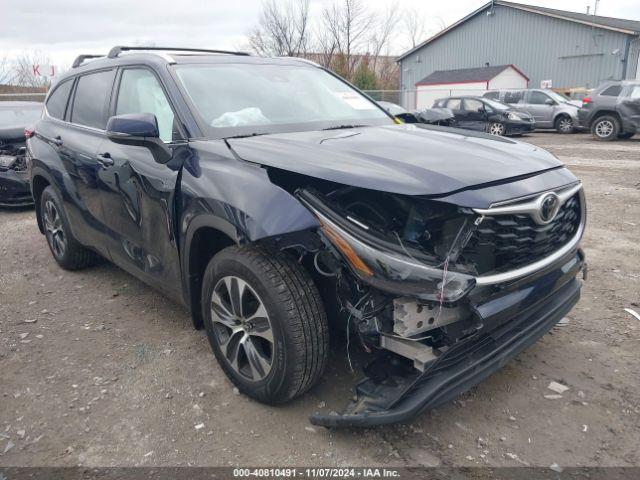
[364, 78]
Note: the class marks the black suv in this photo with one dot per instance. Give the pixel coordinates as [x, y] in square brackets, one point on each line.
[612, 110]
[282, 206]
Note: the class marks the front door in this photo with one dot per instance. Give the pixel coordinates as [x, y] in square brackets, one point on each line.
[474, 114]
[138, 194]
[541, 107]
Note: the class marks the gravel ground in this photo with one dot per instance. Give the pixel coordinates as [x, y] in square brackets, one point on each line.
[97, 369]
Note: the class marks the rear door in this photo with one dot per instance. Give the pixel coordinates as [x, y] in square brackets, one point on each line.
[138, 194]
[475, 114]
[77, 141]
[455, 105]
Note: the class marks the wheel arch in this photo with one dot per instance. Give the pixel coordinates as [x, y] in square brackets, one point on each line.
[40, 180]
[604, 113]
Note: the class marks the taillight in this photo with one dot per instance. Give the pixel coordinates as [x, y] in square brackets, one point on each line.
[28, 133]
[586, 100]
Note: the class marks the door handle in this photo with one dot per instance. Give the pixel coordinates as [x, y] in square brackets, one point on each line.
[57, 141]
[105, 159]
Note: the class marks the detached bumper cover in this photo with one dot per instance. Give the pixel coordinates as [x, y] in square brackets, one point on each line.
[458, 369]
[15, 190]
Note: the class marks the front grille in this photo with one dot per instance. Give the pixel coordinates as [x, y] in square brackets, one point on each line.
[506, 242]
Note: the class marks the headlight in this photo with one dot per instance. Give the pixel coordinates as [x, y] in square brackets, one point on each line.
[6, 161]
[513, 116]
[393, 272]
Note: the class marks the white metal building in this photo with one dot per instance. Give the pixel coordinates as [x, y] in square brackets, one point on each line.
[467, 81]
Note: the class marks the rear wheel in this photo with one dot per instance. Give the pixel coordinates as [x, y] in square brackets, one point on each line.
[564, 124]
[605, 128]
[497, 128]
[66, 250]
[265, 322]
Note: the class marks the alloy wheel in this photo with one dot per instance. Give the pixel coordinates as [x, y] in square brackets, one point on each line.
[53, 228]
[604, 128]
[242, 328]
[565, 125]
[496, 129]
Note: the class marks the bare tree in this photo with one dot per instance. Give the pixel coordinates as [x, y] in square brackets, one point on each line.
[25, 73]
[382, 31]
[282, 29]
[348, 24]
[6, 74]
[414, 24]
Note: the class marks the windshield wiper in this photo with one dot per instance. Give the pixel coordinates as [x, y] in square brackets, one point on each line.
[244, 135]
[344, 127]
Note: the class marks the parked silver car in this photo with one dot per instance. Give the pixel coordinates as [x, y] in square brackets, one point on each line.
[549, 109]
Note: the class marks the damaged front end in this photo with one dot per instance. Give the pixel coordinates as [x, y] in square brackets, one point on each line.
[426, 288]
[14, 180]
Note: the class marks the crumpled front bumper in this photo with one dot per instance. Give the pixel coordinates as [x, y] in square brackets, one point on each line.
[515, 320]
[15, 190]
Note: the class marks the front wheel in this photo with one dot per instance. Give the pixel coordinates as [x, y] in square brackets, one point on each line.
[497, 128]
[564, 124]
[265, 322]
[605, 128]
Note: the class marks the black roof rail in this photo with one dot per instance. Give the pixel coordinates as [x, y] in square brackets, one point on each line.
[115, 51]
[81, 58]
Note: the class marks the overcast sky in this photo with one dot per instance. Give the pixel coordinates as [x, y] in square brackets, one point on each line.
[63, 29]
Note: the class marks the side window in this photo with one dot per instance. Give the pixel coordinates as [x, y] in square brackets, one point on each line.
[454, 104]
[57, 102]
[140, 92]
[472, 105]
[513, 96]
[538, 98]
[635, 92]
[90, 100]
[612, 91]
[493, 95]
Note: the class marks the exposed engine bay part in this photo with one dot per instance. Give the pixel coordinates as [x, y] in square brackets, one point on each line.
[411, 318]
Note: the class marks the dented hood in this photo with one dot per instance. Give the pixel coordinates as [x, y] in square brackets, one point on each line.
[403, 159]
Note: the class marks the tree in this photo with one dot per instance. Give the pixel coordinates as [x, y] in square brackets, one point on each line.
[282, 29]
[6, 75]
[414, 24]
[24, 72]
[364, 78]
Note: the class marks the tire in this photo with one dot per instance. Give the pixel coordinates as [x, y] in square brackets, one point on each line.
[497, 128]
[605, 128]
[289, 345]
[626, 135]
[66, 250]
[564, 124]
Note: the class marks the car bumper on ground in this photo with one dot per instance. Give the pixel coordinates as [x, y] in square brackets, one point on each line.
[15, 190]
[515, 319]
[517, 128]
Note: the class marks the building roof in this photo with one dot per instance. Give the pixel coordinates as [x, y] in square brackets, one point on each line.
[466, 75]
[630, 27]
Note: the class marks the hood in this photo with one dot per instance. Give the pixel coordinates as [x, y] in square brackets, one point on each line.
[403, 159]
[574, 103]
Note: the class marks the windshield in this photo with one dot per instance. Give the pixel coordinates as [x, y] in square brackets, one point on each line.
[19, 116]
[558, 97]
[246, 99]
[496, 105]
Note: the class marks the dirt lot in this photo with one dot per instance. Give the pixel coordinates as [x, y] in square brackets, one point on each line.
[99, 370]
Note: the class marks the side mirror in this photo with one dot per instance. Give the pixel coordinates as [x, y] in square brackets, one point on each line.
[549, 102]
[141, 130]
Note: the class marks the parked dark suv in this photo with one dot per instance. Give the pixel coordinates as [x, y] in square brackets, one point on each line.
[282, 206]
[612, 111]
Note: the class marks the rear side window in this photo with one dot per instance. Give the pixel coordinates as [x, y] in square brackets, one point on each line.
[90, 100]
[454, 104]
[57, 103]
[513, 96]
[612, 91]
[635, 92]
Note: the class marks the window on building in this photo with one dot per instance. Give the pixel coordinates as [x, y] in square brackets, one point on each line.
[90, 101]
[57, 103]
